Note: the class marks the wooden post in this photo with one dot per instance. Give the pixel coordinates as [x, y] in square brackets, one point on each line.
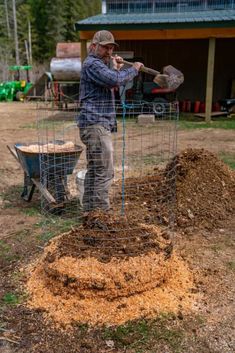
[83, 49]
[210, 78]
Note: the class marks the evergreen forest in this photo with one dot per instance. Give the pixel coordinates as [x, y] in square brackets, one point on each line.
[30, 29]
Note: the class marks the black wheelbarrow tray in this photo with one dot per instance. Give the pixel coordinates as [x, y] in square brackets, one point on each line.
[57, 164]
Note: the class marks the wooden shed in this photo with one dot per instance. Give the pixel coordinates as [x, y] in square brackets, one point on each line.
[198, 37]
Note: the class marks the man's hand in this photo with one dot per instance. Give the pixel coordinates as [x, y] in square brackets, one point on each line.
[137, 65]
[117, 62]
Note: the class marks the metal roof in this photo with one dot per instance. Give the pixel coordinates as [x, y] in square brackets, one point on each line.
[197, 19]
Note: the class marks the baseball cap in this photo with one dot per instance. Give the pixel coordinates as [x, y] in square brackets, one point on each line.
[104, 38]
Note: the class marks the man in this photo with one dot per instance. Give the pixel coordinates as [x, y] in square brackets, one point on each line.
[97, 118]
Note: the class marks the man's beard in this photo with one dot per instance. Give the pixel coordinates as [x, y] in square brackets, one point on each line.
[105, 59]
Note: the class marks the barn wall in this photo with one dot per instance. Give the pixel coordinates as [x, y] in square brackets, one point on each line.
[190, 56]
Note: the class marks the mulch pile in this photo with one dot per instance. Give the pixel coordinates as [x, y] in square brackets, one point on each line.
[113, 269]
[203, 195]
[205, 189]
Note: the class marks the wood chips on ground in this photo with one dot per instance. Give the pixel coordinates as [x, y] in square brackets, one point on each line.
[88, 290]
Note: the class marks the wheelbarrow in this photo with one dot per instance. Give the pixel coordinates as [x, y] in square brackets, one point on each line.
[51, 180]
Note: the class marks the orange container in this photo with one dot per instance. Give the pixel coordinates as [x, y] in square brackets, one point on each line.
[188, 106]
[217, 107]
[202, 107]
[184, 106]
[197, 106]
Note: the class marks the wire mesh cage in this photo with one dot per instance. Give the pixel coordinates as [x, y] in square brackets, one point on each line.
[111, 264]
[143, 150]
[59, 150]
[136, 187]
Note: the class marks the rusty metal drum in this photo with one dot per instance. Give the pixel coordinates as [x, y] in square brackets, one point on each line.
[66, 69]
[68, 50]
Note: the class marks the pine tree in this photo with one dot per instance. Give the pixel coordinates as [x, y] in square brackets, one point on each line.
[23, 18]
[39, 19]
[74, 11]
[6, 42]
[52, 21]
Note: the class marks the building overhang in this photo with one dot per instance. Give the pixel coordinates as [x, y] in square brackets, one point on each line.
[201, 24]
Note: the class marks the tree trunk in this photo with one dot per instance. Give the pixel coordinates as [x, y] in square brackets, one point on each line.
[30, 44]
[15, 33]
[7, 19]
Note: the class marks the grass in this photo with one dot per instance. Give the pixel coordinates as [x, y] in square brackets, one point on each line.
[227, 125]
[29, 126]
[17, 277]
[189, 121]
[46, 124]
[4, 249]
[7, 254]
[229, 159]
[31, 211]
[201, 321]
[231, 265]
[11, 193]
[151, 159]
[10, 299]
[54, 226]
[216, 248]
[145, 335]
[82, 327]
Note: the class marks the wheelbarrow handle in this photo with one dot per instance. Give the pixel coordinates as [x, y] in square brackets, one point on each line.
[145, 69]
[13, 152]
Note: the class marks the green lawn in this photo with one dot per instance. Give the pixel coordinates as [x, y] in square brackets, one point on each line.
[229, 159]
[189, 121]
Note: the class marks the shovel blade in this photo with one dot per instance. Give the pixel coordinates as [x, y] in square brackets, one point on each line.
[161, 80]
[175, 77]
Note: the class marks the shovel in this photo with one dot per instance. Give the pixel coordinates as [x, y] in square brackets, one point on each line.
[171, 78]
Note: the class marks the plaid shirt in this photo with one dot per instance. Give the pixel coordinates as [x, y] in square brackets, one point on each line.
[97, 92]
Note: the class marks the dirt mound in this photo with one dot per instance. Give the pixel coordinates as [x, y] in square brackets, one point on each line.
[105, 235]
[196, 189]
[149, 199]
[205, 189]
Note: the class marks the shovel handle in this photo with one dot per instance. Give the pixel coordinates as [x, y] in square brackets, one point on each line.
[145, 69]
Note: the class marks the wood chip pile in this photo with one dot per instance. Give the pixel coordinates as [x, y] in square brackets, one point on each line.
[80, 278]
[49, 148]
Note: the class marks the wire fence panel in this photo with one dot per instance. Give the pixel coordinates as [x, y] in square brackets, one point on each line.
[115, 263]
[128, 183]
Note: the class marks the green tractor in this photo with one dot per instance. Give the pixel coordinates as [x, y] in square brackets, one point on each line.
[17, 89]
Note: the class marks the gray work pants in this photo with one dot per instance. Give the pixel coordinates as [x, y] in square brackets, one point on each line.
[100, 171]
